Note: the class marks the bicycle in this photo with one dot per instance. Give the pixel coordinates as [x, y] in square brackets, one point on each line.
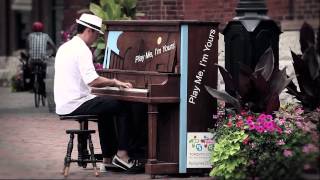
[38, 84]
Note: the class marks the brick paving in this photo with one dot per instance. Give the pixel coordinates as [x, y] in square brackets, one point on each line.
[33, 143]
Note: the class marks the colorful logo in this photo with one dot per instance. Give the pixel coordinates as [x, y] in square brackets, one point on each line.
[201, 143]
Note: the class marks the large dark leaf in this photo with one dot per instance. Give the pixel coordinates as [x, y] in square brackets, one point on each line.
[279, 81]
[266, 62]
[318, 41]
[244, 84]
[261, 87]
[227, 78]
[302, 73]
[258, 72]
[245, 69]
[272, 104]
[307, 37]
[293, 90]
[224, 96]
[310, 57]
[244, 80]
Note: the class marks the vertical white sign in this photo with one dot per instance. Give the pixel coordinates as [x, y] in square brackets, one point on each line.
[199, 148]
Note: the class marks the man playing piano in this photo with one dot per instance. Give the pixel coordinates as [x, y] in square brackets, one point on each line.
[74, 75]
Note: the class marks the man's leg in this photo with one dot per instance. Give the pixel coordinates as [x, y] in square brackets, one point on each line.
[106, 108]
[107, 136]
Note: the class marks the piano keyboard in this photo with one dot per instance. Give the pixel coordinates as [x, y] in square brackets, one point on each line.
[134, 90]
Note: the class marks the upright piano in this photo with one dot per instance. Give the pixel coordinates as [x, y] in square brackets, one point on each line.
[168, 63]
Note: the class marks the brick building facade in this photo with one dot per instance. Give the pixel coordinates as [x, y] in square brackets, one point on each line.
[60, 14]
[290, 13]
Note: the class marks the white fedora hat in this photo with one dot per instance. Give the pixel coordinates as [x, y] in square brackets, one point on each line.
[90, 21]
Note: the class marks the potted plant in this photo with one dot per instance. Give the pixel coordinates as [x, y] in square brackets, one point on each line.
[256, 145]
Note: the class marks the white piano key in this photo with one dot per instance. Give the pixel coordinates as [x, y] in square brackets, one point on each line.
[136, 90]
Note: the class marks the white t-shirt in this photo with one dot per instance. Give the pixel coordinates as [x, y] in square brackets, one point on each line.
[74, 70]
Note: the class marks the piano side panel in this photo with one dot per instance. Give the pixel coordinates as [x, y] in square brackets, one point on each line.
[202, 55]
[168, 134]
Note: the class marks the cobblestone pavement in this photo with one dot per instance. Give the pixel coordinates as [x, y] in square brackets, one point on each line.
[33, 143]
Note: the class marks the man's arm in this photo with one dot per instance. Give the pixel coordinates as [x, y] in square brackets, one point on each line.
[102, 82]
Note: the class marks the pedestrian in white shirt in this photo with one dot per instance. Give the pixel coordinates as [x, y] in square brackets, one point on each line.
[74, 75]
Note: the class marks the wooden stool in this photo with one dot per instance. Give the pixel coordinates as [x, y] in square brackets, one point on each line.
[68, 160]
[83, 154]
[82, 139]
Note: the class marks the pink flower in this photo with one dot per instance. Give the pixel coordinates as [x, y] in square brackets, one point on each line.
[298, 111]
[280, 142]
[238, 117]
[288, 131]
[315, 137]
[260, 129]
[229, 124]
[282, 121]
[306, 167]
[309, 148]
[245, 141]
[287, 153]
[249, 121]
[243, 113]
[261, 118]
[252, 126]
[299, 124]
[269, 126]
[239, 123]
[279, 130]
[269, 117]
[98, 66]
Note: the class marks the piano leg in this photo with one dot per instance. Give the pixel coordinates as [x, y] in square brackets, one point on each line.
[152, 136]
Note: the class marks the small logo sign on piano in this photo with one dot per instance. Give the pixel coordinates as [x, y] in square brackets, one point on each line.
[199, 147]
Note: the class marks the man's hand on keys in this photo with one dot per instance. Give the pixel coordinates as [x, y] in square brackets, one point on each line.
[121, 84]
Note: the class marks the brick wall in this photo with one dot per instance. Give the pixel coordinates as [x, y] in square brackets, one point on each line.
[294, 9]
[71, 8]
[224, 10]
[217, 10]
[161, 9]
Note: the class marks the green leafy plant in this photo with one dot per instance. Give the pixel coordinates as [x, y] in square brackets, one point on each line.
[111, 10]
[228, 156]
[257, 89]
[307, 69]
[258, 145]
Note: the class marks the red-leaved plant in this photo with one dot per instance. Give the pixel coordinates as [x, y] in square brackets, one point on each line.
[258, 89]
[307, 69]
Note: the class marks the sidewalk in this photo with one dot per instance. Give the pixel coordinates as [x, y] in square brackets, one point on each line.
[33, 143]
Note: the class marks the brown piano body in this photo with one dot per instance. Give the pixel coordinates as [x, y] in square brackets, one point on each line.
[170, 61]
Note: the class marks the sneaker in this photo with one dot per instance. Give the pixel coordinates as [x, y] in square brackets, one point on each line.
[122, 164]
[131, 167]
[105, 166]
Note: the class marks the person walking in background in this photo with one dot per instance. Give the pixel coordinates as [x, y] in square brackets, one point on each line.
[74, 76]
[38, 46]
